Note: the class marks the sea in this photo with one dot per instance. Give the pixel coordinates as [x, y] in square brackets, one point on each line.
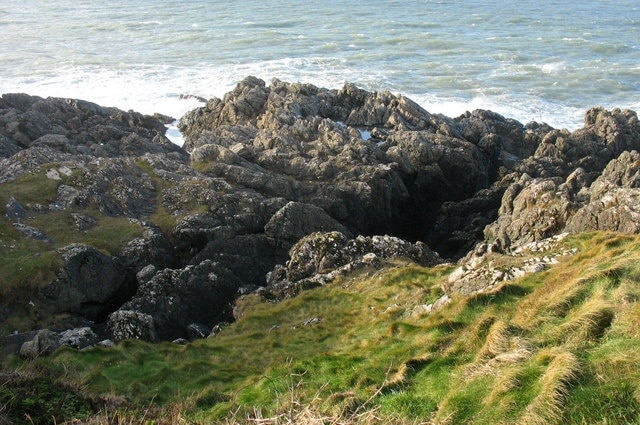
[543, 60]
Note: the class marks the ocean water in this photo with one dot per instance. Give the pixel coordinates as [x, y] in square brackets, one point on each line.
[543, 60]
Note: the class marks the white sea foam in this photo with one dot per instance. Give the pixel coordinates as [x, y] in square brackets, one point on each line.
[449, 59]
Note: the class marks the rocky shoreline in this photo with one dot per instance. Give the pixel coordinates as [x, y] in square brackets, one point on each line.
[278, 188]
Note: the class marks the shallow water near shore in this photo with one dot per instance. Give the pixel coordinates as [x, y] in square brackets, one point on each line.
[544, 61]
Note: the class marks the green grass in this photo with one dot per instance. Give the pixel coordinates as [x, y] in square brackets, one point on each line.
[561, 346]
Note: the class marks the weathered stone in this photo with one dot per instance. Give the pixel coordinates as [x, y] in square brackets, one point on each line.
[32, 233]
[320, 257]
[82, 221]
[44, 343]
[15, 210]
[174, 299]
[127, 324]
[90, 284]
[78, 338]
[296, 220]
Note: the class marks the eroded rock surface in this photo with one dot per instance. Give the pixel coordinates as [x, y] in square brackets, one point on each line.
[289, 181]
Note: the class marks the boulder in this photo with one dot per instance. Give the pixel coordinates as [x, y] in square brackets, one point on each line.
[613, 199]
[78, 338]
[152, 248]
[174, 299]
[296, 220]
[15, 210]
[90, 283]
[44, 343]
[127, 324]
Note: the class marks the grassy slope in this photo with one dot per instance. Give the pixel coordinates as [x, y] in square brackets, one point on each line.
[27, 264]
[561, 346]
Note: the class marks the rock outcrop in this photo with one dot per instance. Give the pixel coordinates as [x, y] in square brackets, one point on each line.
[321, 257]
[281, 187]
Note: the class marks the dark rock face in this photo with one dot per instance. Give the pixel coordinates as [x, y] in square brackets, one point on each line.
[175, 299]
[80, 127]
[90, 284]
[293, 182]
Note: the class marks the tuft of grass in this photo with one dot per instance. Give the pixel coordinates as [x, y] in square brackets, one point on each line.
[548, 406]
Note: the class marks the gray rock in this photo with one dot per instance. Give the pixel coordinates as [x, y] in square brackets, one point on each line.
[198, 331]
[14, 341]
[296, 220]
[83, 222]
[32, 233]
[44, 343]
[127, 324]
[152, 248]
[8, 147]
[80, 127]
[320, 257]
[174, 299]
[613, 199]
[78, 338]
[90, 284]
[15, 210]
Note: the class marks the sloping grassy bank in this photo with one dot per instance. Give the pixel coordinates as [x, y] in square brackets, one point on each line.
[559, 346]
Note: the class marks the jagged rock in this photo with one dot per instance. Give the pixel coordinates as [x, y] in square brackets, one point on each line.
[83, 222]
[127, 324]
[80, 127]
[32, 233]
[174, 299]
[90, 283]
[459, 225]
[198, 331]
[531, 210]
[152, 248]
[613, 199]
[478, 273]
[271, 164]
[248, 257]
[8, 147]
[78, 338]
[319, 257]
[307, 144]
